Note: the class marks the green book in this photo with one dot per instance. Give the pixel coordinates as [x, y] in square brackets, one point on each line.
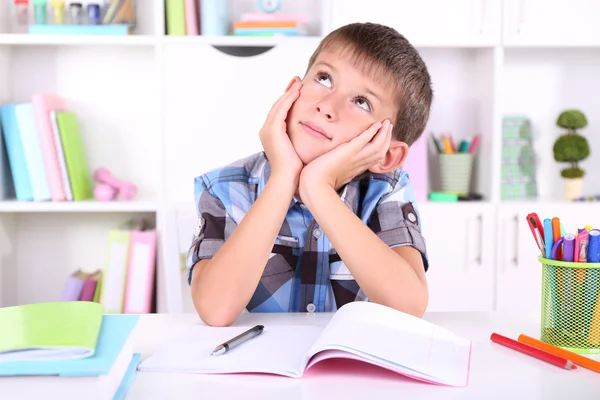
[75, 156]
[49, 331]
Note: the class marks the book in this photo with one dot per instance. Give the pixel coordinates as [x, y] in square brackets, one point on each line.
[107, 374]
[363, 331]
[49, 331]
[74, 286]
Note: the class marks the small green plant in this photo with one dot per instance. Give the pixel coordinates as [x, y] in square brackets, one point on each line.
[571, 147]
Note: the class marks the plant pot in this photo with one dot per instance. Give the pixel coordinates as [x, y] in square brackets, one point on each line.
[573, 188]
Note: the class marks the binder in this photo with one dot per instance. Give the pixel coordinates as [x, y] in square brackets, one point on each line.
[140, 272]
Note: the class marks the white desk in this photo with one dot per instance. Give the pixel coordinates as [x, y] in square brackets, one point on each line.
[496, 371]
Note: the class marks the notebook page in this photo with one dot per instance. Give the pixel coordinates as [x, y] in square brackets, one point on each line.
[278, 350]
[404, 343]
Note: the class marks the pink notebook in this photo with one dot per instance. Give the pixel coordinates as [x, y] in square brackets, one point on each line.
[141, 267]
[42, 105]
[191, 17]
[365, 332]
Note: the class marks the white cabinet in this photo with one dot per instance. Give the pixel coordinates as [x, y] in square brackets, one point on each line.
[551, 23]
[519, 273]
[460, 241]
[427, 22]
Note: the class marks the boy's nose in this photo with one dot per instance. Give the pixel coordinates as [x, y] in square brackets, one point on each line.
[326, 110]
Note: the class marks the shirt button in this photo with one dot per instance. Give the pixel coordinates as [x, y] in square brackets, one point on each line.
[317, 233]
[311, 307]
[412, 217]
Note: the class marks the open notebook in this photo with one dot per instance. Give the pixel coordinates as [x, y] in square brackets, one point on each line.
[49, 331]
[361, 331]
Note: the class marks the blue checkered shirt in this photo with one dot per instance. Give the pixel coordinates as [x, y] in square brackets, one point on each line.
[304, 272]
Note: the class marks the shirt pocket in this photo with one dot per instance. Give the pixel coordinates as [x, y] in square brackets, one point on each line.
[338, 270]
[283, 257]
[343, 285]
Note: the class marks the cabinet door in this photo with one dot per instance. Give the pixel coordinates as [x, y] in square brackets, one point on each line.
[547, 23]
[460, 245]
[216, 104]
[519, 271]
[427, 22]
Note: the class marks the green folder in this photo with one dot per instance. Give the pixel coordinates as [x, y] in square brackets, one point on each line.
[75, 156]
[49, 331]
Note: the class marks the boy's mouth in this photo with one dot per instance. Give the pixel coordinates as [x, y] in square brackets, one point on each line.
[314, 130]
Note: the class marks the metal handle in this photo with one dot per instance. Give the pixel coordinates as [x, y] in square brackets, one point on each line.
[480, 255]
[482, 20]
[515, 259]
[520, 16]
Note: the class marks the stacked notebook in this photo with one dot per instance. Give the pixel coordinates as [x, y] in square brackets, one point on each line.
[73, 349]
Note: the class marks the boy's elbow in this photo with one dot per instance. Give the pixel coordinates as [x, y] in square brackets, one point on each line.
[212, 314]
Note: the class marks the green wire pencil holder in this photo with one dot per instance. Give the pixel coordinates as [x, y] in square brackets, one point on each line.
[571, 305]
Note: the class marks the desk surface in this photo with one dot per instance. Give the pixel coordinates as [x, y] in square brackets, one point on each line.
[496, 371]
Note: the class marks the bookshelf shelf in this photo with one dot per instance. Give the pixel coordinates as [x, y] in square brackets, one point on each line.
[87, 40]
[78, 206]
[241, 41]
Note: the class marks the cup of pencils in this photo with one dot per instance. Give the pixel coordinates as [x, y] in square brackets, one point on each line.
[456, 162]
[570, 260]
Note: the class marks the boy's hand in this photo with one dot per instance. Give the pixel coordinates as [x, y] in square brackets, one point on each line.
[342, 164]
[274, 137]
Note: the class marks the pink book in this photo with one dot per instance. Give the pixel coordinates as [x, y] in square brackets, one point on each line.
[141, 266]
[191, 17]
[89, 286]
[42, 105]
[416, 166]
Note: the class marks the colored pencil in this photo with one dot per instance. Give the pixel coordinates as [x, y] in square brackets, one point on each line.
[533, 352]
[578, 359]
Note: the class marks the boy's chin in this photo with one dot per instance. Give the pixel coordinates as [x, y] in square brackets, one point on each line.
[308, 155]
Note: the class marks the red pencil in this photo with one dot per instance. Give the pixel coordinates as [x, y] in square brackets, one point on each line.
[532, 351]
[474, 143]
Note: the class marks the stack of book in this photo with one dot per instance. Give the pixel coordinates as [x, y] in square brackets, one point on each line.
[267, 24]
[42, 155]
[75, 350]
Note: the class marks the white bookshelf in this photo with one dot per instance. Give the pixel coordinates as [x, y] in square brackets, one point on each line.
[159, 110]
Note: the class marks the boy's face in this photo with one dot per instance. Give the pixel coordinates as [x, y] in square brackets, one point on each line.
[337, 103]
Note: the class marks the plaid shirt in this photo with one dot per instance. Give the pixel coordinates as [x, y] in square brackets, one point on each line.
[303, 273]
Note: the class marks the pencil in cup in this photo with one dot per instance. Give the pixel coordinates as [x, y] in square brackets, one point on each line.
[533, 352]
[578, 359]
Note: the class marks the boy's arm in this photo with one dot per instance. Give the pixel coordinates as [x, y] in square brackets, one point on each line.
[223, 283]
[394, 277]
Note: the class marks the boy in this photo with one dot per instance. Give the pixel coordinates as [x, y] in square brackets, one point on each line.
[324, 215]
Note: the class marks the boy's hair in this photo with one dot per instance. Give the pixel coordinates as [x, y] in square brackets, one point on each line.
[388, 56]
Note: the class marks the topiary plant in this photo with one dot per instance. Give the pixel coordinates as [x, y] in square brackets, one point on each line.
[571, 147]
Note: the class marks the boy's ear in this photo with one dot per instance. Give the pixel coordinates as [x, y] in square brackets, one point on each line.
[394, 158]
[294, 80]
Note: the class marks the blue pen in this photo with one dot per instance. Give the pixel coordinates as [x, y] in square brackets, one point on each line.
[548, 239]
[593, 254]
[591, 277]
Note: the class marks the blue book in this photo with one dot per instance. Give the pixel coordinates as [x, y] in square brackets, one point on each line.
[16, 153]
[107, 374]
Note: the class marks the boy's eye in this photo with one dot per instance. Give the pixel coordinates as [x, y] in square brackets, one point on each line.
[363, 103]
[324, 79]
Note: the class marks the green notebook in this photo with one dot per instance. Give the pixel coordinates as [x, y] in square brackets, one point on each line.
[49, 331]
[75, 156]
